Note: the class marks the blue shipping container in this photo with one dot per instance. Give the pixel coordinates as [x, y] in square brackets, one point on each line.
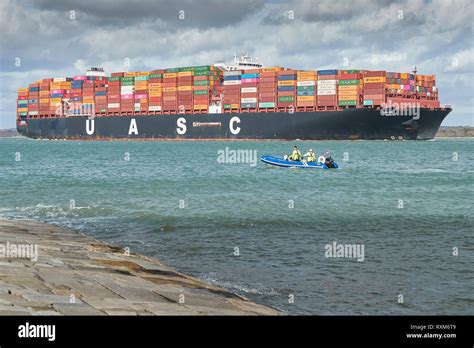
[33, 101]
[286, 88]
[286, 77]
[249, 76]
[34, 89]
[368, 102]
[300, 93]
[232, 77]
[99, 94]
[57, 95]
[328, 72]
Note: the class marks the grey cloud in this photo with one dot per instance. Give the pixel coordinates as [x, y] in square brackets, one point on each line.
[202, 13]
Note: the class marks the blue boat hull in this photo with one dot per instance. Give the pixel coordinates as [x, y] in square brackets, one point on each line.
[280, 162]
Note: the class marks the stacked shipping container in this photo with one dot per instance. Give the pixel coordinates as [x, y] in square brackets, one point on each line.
[306, 88]
[327, 88]
[374, 88]
[349, 88]
[267, 87]
[286, 88]
[231, 89]
[192, 89]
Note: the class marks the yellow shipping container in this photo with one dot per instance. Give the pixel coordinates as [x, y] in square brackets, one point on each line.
[55, 100]
[22, 109]
[185, 88]
[394, 86]
[348, 92]
[88, 101]
[347, 97]
[200, 107]
[43, 93]
[185, 73]
[271, 69]
[404, 75]
[305, 98]
[23, 90]
[169, 75]
[155, 94]
[44, 101]
[130, 74]
[307, 78]
[154, 84]
[377, 79]
[235, 106]
[287, 83]
[143, 73]
[348, 87]
[306, 73]
[144, 100]
[169, 89]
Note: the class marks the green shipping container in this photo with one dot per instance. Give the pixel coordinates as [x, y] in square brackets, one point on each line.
[114, 78]
[128, 83]
[347, 102]
[128, 78]
[201, 73]
[172, 70]
[305, 88]
[155, 76]
[286, 99]
[23, 113]
[186, 68]
[266, 105]
[201, 92]
[353, 71]
[141, 78]
[201, 83]
[226, 106]
[202, 68]
[348, 82]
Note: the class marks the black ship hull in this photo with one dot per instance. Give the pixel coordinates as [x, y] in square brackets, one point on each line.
[362, 123]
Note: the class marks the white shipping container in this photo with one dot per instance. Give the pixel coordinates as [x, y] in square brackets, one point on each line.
[305, 83]
[113, 105]
[232, 82]
[248, 100]
[137, 105]
[232, 73]
[32, 113]
[327, 87]
[154, 108]
[326, 82]
[327, 92]
[249, 90]
[127, 88]
[59, 79]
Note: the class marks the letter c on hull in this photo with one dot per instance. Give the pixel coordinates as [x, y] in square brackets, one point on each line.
[233, 130]
[90, 127]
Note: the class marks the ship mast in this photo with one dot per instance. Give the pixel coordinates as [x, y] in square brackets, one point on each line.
[414, 71]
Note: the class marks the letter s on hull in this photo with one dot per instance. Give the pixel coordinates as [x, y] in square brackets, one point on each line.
[90, 127]
[233, 130]
[181, 123]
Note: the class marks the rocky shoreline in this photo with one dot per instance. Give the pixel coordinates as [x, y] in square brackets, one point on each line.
[49, 270]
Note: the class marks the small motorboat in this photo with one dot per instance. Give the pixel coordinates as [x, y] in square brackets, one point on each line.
[322, 163]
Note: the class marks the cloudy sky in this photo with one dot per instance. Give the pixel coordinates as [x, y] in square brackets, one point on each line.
[52, 38]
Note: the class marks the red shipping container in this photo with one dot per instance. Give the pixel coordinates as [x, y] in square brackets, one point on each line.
[327, 77]
[378, 73]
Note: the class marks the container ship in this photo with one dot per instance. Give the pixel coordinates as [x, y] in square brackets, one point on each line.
[239, 100]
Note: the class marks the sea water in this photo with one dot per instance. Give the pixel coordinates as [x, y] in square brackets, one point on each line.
[389, 232]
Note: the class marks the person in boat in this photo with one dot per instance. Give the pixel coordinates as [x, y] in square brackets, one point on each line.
[295, 155]
[310, 156]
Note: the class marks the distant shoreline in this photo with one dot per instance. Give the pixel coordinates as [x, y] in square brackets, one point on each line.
[443, 132]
